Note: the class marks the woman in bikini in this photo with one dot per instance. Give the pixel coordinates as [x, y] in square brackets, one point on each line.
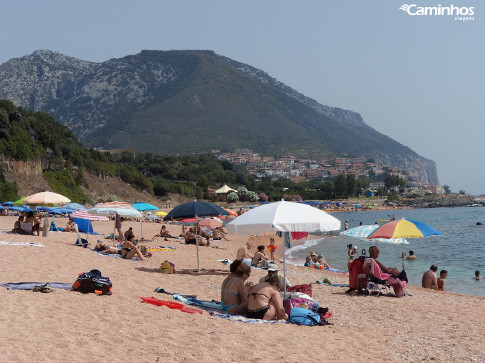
[234, 293]
[129, 250]
[265, 302]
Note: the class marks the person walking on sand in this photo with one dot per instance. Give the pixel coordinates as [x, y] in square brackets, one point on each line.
[441, 280]
[430, 280]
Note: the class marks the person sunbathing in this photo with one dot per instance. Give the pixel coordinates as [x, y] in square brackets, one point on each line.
[16, 226]
[380, 274]
[265, 302]
[322, 262]
[259, 259]
[129, 250]
[234, 293]
[101, 247]
[218, 234]
[190, 239]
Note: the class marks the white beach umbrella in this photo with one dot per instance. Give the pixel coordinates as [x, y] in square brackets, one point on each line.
[284, 217]
[110, 209]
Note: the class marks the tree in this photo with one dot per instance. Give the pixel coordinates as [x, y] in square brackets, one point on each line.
[447, 189]
[340, 185]
[351, 185]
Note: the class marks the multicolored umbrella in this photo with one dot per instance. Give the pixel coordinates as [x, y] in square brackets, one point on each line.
[363, 232]
[404, 228]
[83, 214]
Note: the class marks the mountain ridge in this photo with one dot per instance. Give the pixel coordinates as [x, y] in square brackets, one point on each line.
[168, 101]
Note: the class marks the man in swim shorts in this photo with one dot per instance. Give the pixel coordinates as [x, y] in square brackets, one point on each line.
[430, 280]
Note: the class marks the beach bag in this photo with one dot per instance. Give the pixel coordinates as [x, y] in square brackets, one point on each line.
[167, 267]
[297, 303]
[305, 288]
[81, 242]
[93, 281]
[302, 316]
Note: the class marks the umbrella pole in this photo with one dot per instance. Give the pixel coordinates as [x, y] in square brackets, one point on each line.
[141, 229]
[197, 244]
[286, 236]
[404, 256]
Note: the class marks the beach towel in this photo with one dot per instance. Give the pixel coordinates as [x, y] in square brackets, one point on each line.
[116, 256]
[331, 269]
[192, 300]
[377, 272]
[31, 285]
[31, 244]
[330, 284]
[161, 249]
[170, 304]
[244, 319]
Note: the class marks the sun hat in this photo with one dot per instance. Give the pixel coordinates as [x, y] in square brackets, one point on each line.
[272, 267]
[313, 253]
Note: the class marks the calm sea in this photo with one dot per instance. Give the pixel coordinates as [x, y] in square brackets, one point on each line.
[460, 251]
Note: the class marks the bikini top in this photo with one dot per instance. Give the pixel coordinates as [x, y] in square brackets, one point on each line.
[227, 290]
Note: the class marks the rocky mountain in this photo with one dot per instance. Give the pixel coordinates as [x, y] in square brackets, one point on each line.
[193, 101]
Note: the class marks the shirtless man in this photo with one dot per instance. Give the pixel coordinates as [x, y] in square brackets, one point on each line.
[243, 252]
[430, 280]
[411, 256]
[374, 253]
[265, 302]
[441, 280]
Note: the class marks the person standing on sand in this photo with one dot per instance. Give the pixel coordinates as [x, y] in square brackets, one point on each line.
[430, 280]
[441, 280]
[118, 224]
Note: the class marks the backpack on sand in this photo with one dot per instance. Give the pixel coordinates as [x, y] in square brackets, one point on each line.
[302, 316]
[93, 281]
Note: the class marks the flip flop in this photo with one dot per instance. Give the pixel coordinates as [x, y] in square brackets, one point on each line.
[46, 289]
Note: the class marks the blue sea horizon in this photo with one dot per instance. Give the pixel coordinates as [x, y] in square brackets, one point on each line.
[459, 250]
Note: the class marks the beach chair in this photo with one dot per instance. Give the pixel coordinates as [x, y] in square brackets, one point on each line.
[357, 276]
[378, 282]
[26, 228]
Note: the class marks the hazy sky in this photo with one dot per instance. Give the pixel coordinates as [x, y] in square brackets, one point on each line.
[418, 79]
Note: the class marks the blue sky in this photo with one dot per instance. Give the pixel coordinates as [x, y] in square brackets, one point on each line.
[418, 79]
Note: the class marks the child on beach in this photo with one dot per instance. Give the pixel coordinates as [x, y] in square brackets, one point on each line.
[272, 248]
[308, 261]
[441, 280]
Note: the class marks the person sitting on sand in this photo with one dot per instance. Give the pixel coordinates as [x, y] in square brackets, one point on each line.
[477, 275]
[218, 234]
[202, 233]
[234, 293]
[71, 226]
[259, 259]
[308, 261]
[129, 235]
[411, 256]
[34, 222]
[129, 250]
[265, 302]
[16, 226]
[190, 238]
[430, 280]
[322, 262]
[243, 252]
[313, 255]
[163, 233]
[441, 280]
[273, 271]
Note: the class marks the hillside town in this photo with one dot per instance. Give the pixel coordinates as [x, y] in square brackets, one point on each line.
[299, 170]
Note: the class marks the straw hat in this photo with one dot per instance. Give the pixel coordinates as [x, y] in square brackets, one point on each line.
[313, 253]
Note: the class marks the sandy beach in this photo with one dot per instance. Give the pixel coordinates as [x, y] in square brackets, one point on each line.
[69, 326]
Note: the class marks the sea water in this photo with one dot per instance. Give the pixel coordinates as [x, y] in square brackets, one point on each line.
[460, 251]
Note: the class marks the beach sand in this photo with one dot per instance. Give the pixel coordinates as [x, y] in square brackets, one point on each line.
[67, 326]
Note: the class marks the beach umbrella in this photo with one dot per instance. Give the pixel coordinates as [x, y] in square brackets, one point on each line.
[404, 228]
[210, 222]
[141, 206]
[75, 206]
[283, 217]
[161, 213]
[8, 204]
[46, 198]
[363, 232]
[83, 214]
[19, 201]
[110, 209]
[231, 212]
[195, 209]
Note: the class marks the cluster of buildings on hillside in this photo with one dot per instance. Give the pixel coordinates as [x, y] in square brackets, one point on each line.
[299, 170]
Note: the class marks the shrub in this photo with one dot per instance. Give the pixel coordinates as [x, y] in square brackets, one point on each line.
[252, 197]
[262, 197]
[232, 197]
